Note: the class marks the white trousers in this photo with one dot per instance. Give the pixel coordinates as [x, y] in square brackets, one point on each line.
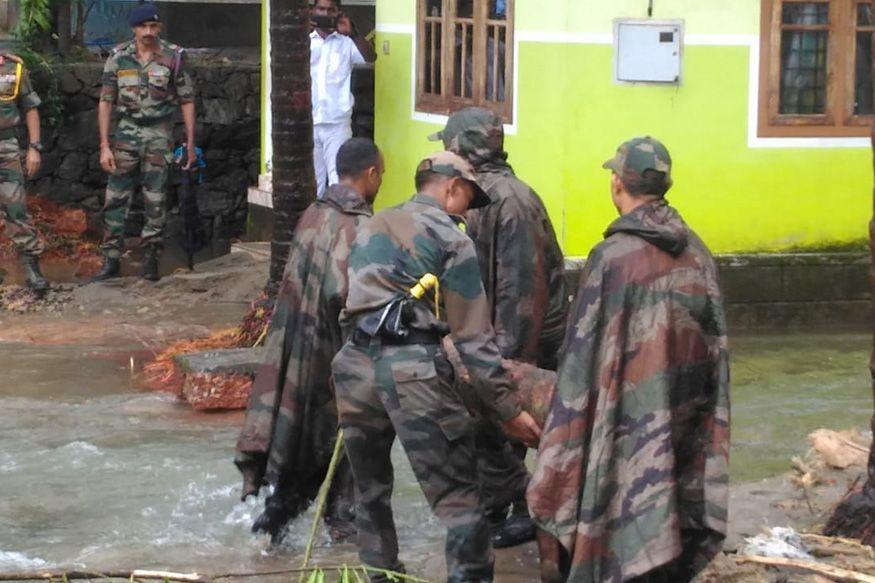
[327, 140]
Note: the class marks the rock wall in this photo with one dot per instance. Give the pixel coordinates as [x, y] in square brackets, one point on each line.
[228, 130]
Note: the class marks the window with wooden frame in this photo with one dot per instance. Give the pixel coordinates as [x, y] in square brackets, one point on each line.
[464, 56]
[816, 68]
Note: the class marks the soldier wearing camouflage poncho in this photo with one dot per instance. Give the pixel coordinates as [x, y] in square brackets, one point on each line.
[393, 377]
[145, 78]
[523, 274]
[291, 423]
[17, 97]
[631, 479]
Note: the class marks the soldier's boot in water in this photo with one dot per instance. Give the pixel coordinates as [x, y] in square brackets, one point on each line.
[273, 521]
[150, 263]
[110, 269]
[34, 278]
[514, 530]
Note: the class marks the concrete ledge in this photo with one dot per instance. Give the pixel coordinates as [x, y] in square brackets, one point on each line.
[241, 361]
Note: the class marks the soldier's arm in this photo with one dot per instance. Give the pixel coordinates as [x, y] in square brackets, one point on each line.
[108, 95]
[185, 93]
[467, 313]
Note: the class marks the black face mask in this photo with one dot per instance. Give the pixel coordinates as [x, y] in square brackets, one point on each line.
[325, 22]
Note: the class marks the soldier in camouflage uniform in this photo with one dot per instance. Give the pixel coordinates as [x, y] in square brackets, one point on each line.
[392, 384]
[17, 97]
[145, 78]
[632, 475]
[291, 423]
[523, 273]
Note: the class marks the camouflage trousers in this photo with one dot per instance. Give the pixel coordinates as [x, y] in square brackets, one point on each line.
[19, 226]
[142, 155]
[408, 391]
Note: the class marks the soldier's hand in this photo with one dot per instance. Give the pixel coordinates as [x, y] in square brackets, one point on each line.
[524, 429]
[107, 159]
[191, 158]
[32, 162]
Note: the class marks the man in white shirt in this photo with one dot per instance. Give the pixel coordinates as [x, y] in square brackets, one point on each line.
[335, 47]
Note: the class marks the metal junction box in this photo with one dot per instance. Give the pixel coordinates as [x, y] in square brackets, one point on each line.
[648, 51]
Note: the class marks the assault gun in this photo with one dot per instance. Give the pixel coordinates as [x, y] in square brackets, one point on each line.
[394, 319]
[188, 209]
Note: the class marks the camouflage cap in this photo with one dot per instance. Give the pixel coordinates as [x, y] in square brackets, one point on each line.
[454, 166]
[639, 155]
[475, 133]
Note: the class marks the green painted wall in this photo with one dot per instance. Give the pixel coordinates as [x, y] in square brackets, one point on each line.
[572, 116]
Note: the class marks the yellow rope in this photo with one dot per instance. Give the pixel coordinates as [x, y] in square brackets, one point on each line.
[17, 84]
[427, 282]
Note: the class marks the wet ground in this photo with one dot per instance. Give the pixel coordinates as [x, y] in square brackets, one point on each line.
[95, 472]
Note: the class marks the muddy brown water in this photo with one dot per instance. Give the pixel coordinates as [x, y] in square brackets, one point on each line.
[97, 473]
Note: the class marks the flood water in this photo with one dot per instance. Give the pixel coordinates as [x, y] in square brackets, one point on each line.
[94, 472]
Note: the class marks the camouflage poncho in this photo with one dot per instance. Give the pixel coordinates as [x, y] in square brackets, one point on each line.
[520, 258]
[632, 471]
[288, 435]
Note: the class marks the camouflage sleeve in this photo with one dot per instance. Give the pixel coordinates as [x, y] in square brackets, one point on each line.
[183, 81]
[467, 313]
[27, 97]
[516, 270]
[109, 81]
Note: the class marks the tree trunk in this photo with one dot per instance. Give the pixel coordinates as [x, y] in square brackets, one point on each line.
[63, 25]
[854, 517]
[294, 186]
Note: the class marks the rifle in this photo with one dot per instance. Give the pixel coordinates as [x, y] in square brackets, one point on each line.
[192, 239]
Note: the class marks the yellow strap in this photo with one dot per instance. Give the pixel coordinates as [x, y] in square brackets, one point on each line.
[427, 282]
[17, 84]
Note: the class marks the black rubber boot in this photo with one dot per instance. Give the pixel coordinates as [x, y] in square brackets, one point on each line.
[110, 269]
[150, 264]
[34, 276]
[514, 530]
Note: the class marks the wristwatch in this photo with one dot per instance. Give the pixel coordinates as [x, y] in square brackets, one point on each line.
[37, 146]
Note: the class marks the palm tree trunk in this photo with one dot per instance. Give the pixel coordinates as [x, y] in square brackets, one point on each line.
[854, 517]
[294, 186]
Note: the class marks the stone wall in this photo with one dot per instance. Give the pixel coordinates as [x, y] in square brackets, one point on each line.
[228, 130]
[774, 292]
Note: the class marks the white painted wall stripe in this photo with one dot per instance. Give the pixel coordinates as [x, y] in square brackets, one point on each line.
[714, 40]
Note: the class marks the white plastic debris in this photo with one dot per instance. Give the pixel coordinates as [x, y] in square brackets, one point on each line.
[779, 543]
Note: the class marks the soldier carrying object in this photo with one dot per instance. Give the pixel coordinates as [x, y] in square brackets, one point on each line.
[393, 378]
[523, 274]
[17, 96]
[145, 78]
[288, 435]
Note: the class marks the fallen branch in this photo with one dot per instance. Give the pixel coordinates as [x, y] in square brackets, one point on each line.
[827, 570]
[62, 575]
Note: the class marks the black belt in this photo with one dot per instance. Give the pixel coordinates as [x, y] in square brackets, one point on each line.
[362, 339]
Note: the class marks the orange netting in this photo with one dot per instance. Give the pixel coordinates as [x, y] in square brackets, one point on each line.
[163, 374]
[64, 231]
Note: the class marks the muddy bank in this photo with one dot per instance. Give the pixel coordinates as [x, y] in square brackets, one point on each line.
[130, 311]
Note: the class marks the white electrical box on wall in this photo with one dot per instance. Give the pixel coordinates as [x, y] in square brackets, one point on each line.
[648, 51]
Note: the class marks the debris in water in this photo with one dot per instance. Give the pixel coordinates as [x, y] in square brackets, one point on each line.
[779, 542]
[212, 391]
